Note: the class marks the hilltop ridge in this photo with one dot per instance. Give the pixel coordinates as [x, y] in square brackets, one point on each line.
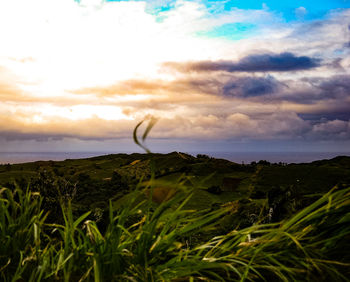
[100, 178]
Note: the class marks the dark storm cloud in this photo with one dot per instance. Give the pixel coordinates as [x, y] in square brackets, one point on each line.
[283, 62]
[335, 87]
[324, 114]
[319, 88]
[305, 91]
[251, 86]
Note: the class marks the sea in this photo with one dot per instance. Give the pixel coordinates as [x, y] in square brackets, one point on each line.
[238, 157]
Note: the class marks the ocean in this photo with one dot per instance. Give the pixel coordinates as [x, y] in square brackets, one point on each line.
[238, 157]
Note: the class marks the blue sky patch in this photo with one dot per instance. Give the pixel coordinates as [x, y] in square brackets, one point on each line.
[314, 10]
[232, 31]
[290, 10]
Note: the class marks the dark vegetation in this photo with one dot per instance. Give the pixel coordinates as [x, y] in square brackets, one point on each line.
[161, 217]
[91, 183]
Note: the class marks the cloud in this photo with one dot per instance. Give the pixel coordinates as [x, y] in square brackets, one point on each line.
[282, 81]
[94, 128]
[185, 86]
[230, 119]
[187, 89]
[337, 86]
[200, 126]
[253, 63]
[335, 129]
[266, 89]
[9, 90]
[251, 86]
[304, 90]
[300, 12]
[309, 90]
[324, 37]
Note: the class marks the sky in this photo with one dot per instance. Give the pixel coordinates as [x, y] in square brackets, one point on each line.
[220, 76]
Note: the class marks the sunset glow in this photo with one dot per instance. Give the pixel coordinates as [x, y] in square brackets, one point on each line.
[213, 71]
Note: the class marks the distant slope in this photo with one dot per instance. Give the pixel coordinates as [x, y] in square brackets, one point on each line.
[95, 177]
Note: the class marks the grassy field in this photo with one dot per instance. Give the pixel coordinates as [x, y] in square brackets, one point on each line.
[154, 217]
[167, 242]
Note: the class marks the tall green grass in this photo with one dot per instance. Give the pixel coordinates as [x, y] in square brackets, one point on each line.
[145, 242]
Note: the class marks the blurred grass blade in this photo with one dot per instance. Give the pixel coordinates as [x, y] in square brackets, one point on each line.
[150, 125]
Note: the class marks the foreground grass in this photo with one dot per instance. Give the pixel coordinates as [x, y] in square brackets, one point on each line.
[145, 242]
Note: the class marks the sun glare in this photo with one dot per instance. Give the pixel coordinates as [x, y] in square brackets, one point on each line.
[81, 112]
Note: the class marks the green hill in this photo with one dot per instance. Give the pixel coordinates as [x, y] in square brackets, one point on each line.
[216, 181]
[174, 217]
